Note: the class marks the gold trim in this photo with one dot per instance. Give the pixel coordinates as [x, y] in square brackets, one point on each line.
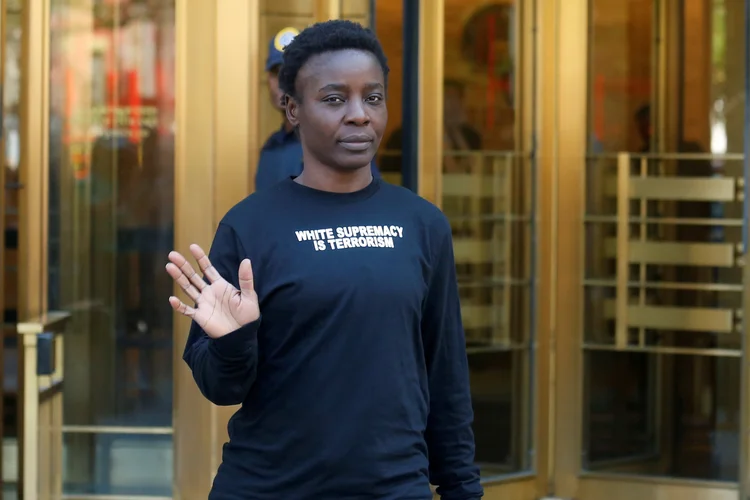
[430, 100]
[672, 481]
[217, 145]
[40, 443]
[744, 445]
[622, 249]
[54, 321]
[33, 209]
[236, 74]
[546, 67]
[720, 353]
[33, 169]
[116, 429]
[670, 156]
[673, 253]
[682, 188]
[515, 488]
[195, 105]
[630, 487]
[566, 49]
[327, 9]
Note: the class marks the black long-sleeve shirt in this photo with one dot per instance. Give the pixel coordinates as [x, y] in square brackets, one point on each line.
[354, 382]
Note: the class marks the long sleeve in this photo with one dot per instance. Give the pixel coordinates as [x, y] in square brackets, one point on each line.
[450, 439]
[224, 368]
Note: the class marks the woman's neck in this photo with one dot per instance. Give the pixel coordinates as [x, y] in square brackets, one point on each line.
[335, 181]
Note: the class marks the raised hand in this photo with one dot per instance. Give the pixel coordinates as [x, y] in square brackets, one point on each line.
[219, 307]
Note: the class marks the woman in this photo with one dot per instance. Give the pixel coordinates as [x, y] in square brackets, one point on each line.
[353, 381]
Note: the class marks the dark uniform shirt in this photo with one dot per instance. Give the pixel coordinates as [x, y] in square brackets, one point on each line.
[281, 158]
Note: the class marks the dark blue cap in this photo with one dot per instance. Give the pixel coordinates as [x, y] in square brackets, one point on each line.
[277, 45]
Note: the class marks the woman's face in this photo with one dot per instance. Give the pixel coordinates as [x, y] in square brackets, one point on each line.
[341, 109]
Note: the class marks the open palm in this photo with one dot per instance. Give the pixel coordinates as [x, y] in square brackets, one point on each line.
[219, 307]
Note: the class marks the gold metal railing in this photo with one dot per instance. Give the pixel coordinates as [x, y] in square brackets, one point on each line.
[41, 440]
[640, 180]
[662, 275]
[488, 200]
[487, 196]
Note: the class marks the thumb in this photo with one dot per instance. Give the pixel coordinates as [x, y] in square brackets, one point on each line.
[246, 278]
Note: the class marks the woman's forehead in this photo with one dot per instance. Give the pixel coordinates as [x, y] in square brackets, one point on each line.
[343, 66]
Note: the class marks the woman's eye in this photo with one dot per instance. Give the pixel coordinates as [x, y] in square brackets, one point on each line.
[333, 99]
[374, 98]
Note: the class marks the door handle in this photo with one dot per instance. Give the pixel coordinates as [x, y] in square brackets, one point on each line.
[622, 250]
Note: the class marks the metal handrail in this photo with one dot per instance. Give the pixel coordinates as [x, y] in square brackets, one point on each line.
[668, 156]
[41, 389]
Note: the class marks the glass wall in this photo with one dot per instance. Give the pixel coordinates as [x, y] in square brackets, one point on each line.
[488, 188]
[9, 254]
[389, 27]
[663, 280]
[110, 225]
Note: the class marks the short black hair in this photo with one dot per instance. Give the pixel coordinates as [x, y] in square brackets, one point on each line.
[327, 36]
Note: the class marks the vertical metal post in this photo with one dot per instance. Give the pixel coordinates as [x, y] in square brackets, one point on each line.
[623, 245]
[744, 492]
[410, 97]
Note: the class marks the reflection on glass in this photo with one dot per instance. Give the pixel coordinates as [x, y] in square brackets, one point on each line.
[662, 415]
[487, 196]
[127, 465]
[620, 74]
[10, 224]
[389, 27]
[111, 216]
[675, 395]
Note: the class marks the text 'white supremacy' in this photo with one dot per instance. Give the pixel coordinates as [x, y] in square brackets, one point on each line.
[340, 238]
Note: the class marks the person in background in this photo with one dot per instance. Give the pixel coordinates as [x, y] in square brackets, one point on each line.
[458, 134]
[330, 309]
[281, 155]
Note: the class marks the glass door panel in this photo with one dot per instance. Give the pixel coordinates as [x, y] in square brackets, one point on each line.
[488, 179]
[110, 226]
[663, 225]
[389, 27]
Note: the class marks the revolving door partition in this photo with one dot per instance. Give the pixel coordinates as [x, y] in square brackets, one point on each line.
[663, 324]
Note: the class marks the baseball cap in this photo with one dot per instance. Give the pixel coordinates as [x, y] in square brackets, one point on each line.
[277, 45]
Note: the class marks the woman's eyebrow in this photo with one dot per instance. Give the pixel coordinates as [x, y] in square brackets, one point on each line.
[334, 86]
[343, 87]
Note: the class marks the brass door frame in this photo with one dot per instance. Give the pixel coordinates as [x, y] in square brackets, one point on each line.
[34, 161]
[33, 178]
[563, 96]
[535, 82]
[216, 147]
[564, 129]
[430, 97]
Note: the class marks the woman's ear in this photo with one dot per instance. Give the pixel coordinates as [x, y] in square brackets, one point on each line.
[292, 110]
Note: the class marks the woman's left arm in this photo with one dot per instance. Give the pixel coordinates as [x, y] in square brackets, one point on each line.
[450, 439]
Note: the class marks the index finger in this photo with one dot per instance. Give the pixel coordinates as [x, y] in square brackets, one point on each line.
[208, 270]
